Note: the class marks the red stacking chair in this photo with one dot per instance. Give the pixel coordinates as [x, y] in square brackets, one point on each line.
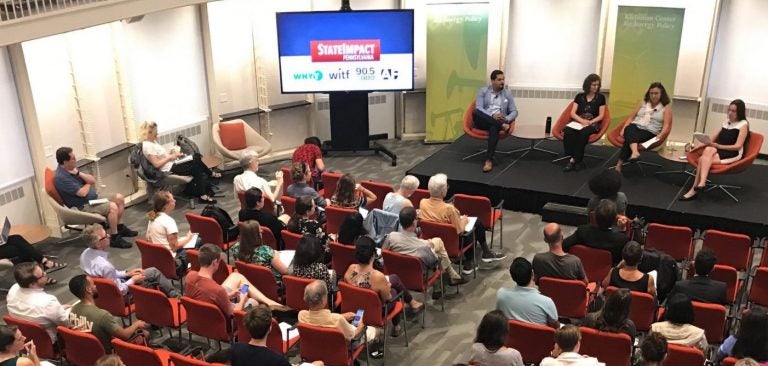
[711, 318]
[241, 198]
[268, 237]
[673, 240]
[181, 360]
[411, 272]
[269, 206]
[221, 274]
[380, 190]
[287, 178]
[597, 262]
[328, 345]
[80, 348]
[451, 240]
[261, 277]
[290, 239]
[210, 231]
[330, 180]
[643, 310]
[480, 207]
[471, 131]
[275, 339]
[294, 292]
[38, 334]
[729, 361]
[417, 196]
[565, 118]
[289, 205]
[334, 216]
[534, 341]
[158, 256]
[342, 256]
[730, 276]
[614, 349]
[110, 299]
[136, 355]
[571, 297]
[206, 320]
[684, 355]
[731, 249]
[154, 307]
[758, 293]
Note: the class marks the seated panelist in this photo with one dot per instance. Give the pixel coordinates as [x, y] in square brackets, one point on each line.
[652, 118]
[495, 111]
[588, 110]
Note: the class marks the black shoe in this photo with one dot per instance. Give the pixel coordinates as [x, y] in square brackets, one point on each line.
[633, 160]
[116, 241]
[468, 268]
[699, 188]
[206, 201]
[691, 198]
[569, 167]
[125, 231]
[457, 281]
[492, 257]
[436, 295]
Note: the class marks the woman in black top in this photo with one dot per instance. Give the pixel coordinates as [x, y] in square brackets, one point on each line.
[588, 110]
[727, 146]
[626, 275]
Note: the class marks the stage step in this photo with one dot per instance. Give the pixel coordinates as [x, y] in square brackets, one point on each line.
[564, 214]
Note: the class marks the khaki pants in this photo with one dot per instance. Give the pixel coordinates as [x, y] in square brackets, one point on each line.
[445, 262]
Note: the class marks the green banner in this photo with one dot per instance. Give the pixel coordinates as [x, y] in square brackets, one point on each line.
[457, 44]
[646, 50]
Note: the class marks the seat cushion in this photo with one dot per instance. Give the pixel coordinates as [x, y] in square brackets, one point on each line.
[50, 187]
[232, 135]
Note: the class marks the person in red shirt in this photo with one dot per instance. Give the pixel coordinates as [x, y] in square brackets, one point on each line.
[310, 154]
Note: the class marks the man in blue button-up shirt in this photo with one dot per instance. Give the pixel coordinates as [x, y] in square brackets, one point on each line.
[495, 111]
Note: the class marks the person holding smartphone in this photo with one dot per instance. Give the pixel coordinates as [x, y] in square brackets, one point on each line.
[13, 344]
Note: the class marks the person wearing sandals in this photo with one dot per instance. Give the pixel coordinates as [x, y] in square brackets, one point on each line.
[18, 250]
[651, 118]
[489, 349]
[28, 301]
[12, 344]
[364, 275]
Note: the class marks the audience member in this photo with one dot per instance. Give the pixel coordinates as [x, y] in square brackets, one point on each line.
[751, 340]
[12, 344]
[308, 261]
[161, 159]
[349, 194]
[429, 251]
[258, 321]
[311, 155]
[351, 228]
[489, 349]
[555, 262]
[747, 362]
[301, 186]
[243, 182]
[606, 185]
[566, 351]
[251, 249]
[162, 229]
[27, 300]
[302, 222]
[678, 327]
[395, 201]
[77, 189]
[18, 250]
[614, 316]
[362, 274]
[94, 263]
[626, 275]
[200, 285]
[603, 236]
[87, 317]
[436, 209]
[653, 350]
[254, 203]
[702, 288]
[524, 302]
[109, 360]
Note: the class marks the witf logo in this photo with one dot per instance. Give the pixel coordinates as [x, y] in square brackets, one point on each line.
[346, 50]
[387, 74]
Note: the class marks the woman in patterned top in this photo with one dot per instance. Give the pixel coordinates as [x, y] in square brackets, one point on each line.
[251, 249]
[308, 261]
[727, 146]
[350, 194]
[364, 275]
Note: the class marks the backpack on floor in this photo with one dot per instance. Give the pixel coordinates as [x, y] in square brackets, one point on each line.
[228, 227]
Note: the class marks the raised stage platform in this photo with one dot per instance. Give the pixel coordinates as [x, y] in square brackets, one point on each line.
[526, 181]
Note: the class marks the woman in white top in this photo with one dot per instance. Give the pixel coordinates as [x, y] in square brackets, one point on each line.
[727, 146]
[164, 160]
[566, 351]
[678, 327]
[652, 118]
[395, 201]
[489, 349]
[162, 228]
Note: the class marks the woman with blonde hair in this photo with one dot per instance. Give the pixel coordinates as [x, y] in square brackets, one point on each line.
[164, 160]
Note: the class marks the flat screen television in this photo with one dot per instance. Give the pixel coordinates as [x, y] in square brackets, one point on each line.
[336, 51]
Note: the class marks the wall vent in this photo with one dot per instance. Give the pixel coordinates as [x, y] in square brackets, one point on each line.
[188, 131]
[11, 195]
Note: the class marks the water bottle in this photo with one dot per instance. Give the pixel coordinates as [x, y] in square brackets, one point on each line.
[548, 126]
[192, 203]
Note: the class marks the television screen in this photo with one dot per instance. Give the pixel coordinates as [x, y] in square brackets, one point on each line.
[366, 50]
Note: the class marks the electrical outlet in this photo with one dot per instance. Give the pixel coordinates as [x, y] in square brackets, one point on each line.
[48, 151]
[223, 97]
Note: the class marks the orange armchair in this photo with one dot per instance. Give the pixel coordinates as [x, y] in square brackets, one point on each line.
[617, 139]
[754, 143]
[565, 118]
[470, 130]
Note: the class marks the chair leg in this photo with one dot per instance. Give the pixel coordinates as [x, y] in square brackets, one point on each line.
[405, 322]
[724, 188]
[561, 158]
[442, 298]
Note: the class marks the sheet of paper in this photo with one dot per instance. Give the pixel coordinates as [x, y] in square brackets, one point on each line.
[575, 125]
[363, 211]
[183, 159]
[288, 334]
[655, 276]
[97, 201]
[286, 256]
[191, 243]
[470, 223]
[650, 142]
[703, 138]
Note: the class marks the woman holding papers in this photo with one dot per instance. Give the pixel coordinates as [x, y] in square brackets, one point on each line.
[162, 229]
[724, 147]
[587, 114]
[652, 117]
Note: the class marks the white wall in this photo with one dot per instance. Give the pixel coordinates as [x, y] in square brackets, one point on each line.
[552, 43]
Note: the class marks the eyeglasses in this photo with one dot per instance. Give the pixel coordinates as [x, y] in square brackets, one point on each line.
[104, 237]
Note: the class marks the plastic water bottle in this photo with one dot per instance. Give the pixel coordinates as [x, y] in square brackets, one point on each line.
[548, 126]
[192, 203]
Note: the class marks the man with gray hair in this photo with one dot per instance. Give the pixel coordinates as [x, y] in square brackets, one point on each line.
[394, 202]
[94, 263]
[316, 296]
[436, 209]
[250, 164]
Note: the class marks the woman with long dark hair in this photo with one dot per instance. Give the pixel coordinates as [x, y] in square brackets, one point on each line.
[652, 118]
[350, 194]
[614, 316]
[251, 249]
[752, 338]
[351, 228]
[588, 111]
[308, 261]
[489, 349]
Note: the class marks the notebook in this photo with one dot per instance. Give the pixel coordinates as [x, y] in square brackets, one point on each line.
[6, 231]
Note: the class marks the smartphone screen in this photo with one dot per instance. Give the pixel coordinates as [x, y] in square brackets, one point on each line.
[358, 317]
[244, 289]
